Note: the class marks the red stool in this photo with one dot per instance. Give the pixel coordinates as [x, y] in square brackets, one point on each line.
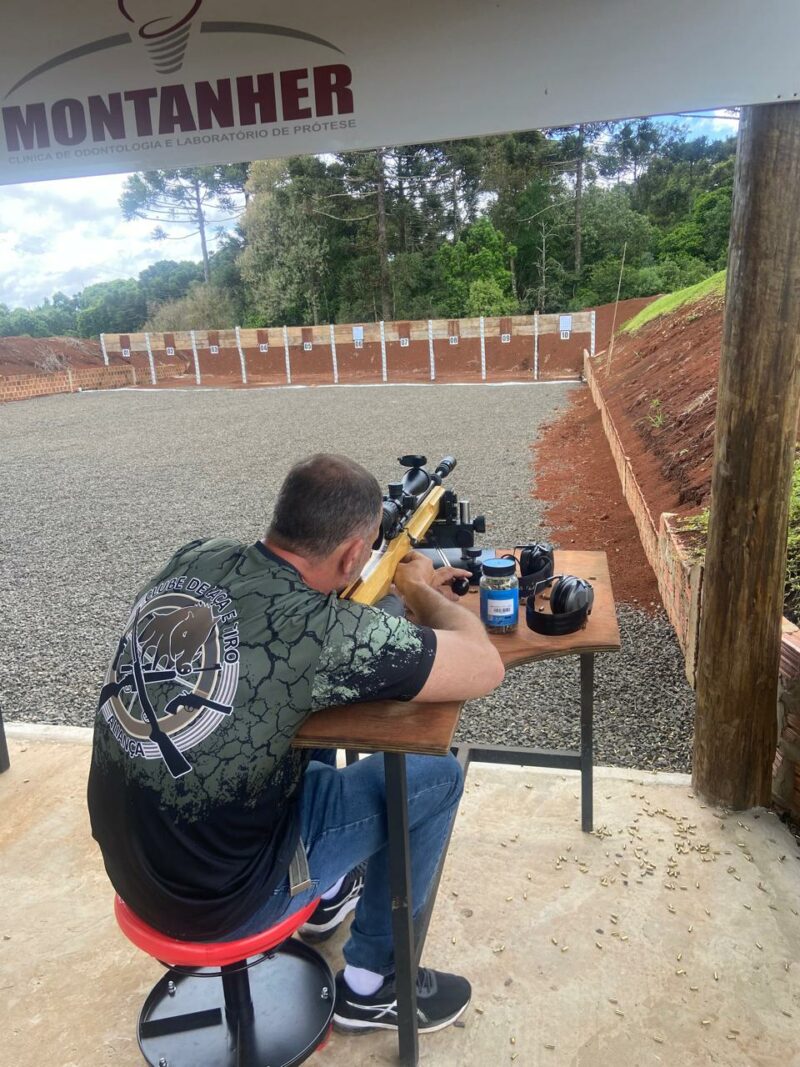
[272, 1016]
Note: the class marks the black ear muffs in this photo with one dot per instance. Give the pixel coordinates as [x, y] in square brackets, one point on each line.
[571, 601]
[535, 565]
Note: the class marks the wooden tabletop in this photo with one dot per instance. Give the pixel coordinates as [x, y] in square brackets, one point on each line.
[395, 726]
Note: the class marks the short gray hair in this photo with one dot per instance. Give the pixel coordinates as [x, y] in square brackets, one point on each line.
[324, 499]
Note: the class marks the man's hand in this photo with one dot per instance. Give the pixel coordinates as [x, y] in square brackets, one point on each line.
[443, 577]
[413, 569]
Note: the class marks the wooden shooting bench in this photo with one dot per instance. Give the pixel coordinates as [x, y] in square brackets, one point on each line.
[396, 729]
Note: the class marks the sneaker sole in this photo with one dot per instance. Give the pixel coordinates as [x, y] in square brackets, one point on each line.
[356, 1027]
[315, 934]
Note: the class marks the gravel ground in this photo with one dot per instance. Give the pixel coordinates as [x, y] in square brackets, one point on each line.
[100, 488]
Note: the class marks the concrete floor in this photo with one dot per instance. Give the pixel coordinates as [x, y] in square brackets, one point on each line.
[670, 936]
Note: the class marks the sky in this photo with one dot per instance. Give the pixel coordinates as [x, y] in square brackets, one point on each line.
[63, 235]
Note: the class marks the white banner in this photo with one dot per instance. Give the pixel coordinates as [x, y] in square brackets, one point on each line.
[120, 85]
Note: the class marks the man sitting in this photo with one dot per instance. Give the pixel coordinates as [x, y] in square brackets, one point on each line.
[205, 814]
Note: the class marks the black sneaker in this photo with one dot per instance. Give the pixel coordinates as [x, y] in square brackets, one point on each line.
[441, 998]
[329, 914]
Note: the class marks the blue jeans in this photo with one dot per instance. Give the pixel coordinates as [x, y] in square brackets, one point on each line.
[343, 822]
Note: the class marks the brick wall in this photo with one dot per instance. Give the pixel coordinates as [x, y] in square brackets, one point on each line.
[27, 386]
[648, 531]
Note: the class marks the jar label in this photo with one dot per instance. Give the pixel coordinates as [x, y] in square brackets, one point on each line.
[499, 607]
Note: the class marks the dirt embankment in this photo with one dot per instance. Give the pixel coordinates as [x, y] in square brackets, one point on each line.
[46, 355]
[661, 390]
[53, 355]
[575, 472]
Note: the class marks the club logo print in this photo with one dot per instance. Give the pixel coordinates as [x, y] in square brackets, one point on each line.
[173, 678]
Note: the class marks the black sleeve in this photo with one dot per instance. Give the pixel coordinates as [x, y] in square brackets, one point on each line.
[369, 655]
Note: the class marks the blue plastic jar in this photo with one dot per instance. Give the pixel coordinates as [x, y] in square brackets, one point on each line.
[499, 596]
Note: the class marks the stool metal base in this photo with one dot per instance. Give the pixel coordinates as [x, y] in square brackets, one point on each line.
[184, 1022]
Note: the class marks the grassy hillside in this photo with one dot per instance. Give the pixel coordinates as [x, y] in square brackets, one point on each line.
[713, 286]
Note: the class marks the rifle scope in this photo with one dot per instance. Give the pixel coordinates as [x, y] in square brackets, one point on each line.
[405, 497]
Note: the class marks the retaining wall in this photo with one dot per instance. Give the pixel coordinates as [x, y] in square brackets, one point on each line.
[476, 349]
[72, 380]
[680, 582]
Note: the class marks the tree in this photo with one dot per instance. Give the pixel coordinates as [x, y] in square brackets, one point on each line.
[204, 307]
[168, 280]
[193, 197]
[633, 145]
[610, 222]
[482, 254]
[486, 297]
[286, 247]
[112, 307]
[582, 148]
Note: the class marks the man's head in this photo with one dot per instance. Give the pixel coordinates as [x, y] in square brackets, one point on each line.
[327, 514]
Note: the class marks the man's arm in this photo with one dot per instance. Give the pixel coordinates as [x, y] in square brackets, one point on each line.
[466, 664]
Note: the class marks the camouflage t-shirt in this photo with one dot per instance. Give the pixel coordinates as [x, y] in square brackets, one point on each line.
[194, 784]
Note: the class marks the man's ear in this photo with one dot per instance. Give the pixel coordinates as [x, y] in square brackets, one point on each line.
[350, 554]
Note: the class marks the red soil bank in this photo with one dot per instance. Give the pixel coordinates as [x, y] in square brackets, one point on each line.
[575, 473]
[38, 355]
[661, 391]
[46, 355]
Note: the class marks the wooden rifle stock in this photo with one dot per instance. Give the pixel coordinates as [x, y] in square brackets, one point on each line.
[369, 590]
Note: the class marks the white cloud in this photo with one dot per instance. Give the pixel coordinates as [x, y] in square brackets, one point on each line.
[716, 125]
[69, 233]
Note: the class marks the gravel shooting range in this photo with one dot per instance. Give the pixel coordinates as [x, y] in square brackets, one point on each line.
[483, 251]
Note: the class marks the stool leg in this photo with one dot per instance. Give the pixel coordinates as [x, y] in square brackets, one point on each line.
[239, 1012]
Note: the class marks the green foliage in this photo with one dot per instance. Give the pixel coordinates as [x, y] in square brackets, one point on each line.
[696, 523]
[656, 416]
[168, 280]
[474, 271]
[485, 297]
[696, 526]
[111, 307]
[520, 222]
[204, 307]
[609, 222]
[286, 248]
[792, 590]
[713, 286]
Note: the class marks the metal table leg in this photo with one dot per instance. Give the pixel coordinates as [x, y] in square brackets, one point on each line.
[402, 908]
[587, 712]
[5, 762]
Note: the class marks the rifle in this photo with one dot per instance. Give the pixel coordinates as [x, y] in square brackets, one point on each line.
[419, 513]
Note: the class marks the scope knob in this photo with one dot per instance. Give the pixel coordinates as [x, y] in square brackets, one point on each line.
[412, 461]
[479, 524]
[395, 490]
[409, 500]
[472, 553]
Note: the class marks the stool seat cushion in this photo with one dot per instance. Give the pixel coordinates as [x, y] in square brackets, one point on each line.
[205, 953]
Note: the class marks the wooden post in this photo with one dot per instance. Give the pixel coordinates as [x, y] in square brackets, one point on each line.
[759, 388]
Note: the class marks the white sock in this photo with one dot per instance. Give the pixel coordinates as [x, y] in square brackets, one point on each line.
[334, 889]
[361, 981]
